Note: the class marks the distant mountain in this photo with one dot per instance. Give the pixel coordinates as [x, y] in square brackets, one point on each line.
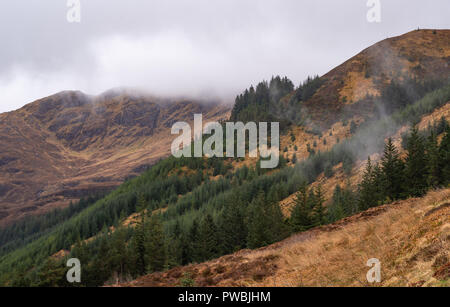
[70, 145]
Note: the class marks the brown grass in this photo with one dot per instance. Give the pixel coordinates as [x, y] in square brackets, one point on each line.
[410, 238]
[406, 240]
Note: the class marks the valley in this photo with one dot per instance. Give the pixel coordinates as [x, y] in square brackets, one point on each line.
[363, 173]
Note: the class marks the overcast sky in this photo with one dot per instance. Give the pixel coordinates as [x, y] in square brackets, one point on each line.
[214, 48]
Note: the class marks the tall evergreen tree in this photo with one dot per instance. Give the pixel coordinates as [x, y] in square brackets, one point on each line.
[233, 228]
[335, 210]
[194, 242]
[432, 158]
[301, 216]
[209, 242]
[155, 248]
[416, 166]
[118, 253]
[393, 171]
[366, 188]
[370, 189]
[139, 237]
[318, 210]
[139, 240]
[444, 155]
[266, 223]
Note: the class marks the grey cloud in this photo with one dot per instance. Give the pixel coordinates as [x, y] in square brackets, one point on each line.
[185, 47]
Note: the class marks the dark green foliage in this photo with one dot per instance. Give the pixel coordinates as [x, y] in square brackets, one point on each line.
[318, 213]
[260, 104]
[432, 156]
[193, 241]
[397, 95]
[444, 156]
[233, 228]
[416, 166]
[209, 240]
[52, 274]
[301, 214]
[155, 248]
[308, 209]
[371, 191]
[265, 222]
[187, 280]
[392, 169]
[139, 242]
[32, 227]
[442, 126]
[344, 203]
[308, 88]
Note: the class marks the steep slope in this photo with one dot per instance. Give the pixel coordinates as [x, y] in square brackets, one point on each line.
[200, 199]
[71, 145]
[411, 238]
[421, 54]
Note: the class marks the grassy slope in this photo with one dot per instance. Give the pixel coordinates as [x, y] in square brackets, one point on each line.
[411, 238]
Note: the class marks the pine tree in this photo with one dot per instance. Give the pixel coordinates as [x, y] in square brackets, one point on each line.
[344, 203]
[416, 166]
[208, 238]
[97, 271]
[52, 274]
[378, 180]
[258, 233]
[392, 168]
[194, 242]
[266, 224]
[118, 253]
[155, 248]
[335, 210]
[444, 157]
[174, 253]
[318, 210]
[366, 188]
[370, 189]
[432, 158]
[349, 201]
[233, 228]
[139, 240]
[301, 216]
[139, 237]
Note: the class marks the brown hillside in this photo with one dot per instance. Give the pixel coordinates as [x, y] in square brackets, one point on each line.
[420, 53]
[411, 238]
[71, 145]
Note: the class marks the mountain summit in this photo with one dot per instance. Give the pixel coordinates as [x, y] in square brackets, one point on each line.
[70, 145]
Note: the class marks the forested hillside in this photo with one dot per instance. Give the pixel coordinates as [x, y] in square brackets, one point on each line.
[210, 209]
[190, 210]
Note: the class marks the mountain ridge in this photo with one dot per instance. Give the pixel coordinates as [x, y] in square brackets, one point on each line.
[70, 145]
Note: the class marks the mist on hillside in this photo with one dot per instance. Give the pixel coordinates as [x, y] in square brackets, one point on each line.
[201, 49]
